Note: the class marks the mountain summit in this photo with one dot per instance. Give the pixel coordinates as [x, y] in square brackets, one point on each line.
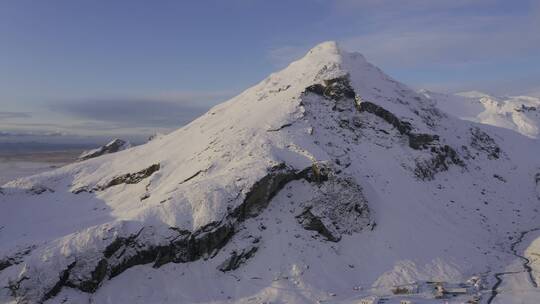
[327, 180]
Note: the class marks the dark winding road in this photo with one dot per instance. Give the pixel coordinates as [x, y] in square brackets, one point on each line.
[525, 264]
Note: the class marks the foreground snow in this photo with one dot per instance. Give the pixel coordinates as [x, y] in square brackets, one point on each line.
[327, 181]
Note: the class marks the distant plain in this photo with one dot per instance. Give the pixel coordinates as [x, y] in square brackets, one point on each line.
[19, 160]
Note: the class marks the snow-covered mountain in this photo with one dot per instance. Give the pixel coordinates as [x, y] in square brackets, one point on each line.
[328, 181]
[518, 113]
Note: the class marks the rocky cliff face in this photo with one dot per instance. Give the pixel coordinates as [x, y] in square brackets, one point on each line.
[328, 169]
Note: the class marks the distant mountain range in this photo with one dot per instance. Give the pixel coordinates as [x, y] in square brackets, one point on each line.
[518, 113]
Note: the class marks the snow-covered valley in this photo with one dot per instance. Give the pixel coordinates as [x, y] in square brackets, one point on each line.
[327, 182]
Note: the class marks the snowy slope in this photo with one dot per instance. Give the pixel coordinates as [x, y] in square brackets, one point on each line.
[518, 113]
[326, 181]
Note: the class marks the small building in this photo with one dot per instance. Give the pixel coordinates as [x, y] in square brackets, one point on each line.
[406, 289]
[442, 292]
[456, 291]
[405, 302]
[439, 291]
[369, 300]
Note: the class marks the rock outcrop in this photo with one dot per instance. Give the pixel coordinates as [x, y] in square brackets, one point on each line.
[237, 258]
[114, 146]
[339, 208]
[484, 143]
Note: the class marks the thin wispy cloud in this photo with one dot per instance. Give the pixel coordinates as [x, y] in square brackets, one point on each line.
[168, 110]
[11, 115]
[476, 40]
[130, 112]
[31, 134]
[392, 7]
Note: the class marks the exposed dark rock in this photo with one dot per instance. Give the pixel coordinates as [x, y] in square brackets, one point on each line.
[98, 275]
[112, 147]
[155, 136]
[90, 284]
[280, 127]
[15, 287]
[16, 258]
[497, 176]
[5, 264]
[402, 126]
[125, 252]
[208, 240]
[442, 158]
[525, 108]
[129, 178]
[421, 141]
[192, 176]
[417, 141]
[338, 88]
[264, 190]
[311, 222]
[481, 141]
[317, 89]
[81, 190]
[335, 89]
[136, 256]
[319, 173]
[38, 189]
[339, 208]
[236, 259]
[64, 276]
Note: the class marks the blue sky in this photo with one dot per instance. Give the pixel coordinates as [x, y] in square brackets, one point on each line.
[72, 69]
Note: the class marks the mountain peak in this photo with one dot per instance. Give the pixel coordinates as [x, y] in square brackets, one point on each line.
[331, 54]
[326, 48]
